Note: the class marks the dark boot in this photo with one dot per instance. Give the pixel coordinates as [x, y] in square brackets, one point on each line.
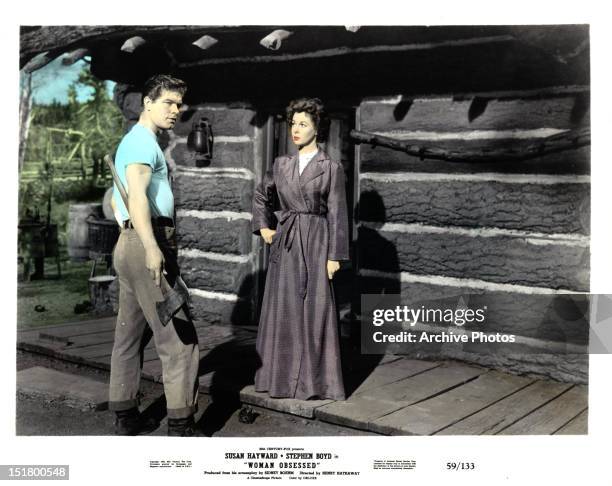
[132, 422]
[183, 427]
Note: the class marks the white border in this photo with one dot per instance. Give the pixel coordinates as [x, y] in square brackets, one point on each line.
[513, 460]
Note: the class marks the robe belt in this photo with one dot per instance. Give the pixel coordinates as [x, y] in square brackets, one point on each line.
[287, 228]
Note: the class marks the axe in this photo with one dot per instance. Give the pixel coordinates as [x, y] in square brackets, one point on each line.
[174, 296]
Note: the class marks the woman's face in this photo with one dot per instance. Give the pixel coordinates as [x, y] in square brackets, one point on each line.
[303, 131]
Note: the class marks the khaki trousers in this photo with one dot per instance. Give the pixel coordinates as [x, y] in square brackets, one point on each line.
[176, 343]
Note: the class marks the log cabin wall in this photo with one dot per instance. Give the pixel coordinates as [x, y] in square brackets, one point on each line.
[214, 212]
[514, 235]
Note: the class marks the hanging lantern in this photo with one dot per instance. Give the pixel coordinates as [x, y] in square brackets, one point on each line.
[200, 140]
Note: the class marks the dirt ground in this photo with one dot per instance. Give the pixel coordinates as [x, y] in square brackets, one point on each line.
[57, 296]
[36, 416]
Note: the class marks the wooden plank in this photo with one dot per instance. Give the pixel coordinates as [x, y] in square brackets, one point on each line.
[434, 414]
[77, 327]
[503, 413]
[552, 416]
[29, 335]
[84, 340]
[93, 338]
[302, 408]
[357, 411]
[208, 336]
[100, 361]
[206, 347]
[447, 114]
[94, 351]
[545, 208]
[72, 335]
[152, 370]
[497, 258]
[382, 159]
[392, 372]
[43, 347]
[426, 384]
[579, 425]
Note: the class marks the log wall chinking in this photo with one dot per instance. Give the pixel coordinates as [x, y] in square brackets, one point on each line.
[515, 231]
[214, 212]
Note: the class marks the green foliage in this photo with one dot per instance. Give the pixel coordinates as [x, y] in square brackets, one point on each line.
[52, 115]
[65, 149]
[98, 117]
[90, 129]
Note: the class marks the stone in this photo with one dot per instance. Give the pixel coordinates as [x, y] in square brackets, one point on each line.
[71, 390]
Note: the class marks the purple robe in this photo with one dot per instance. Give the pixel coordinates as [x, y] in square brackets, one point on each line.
[297, 339]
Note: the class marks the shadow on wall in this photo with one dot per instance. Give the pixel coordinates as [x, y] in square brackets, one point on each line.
[377, 272]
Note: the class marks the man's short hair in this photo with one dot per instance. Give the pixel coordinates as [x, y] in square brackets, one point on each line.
[154, 86]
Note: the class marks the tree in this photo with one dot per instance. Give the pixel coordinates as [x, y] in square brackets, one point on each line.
[25, 109]
[98, 118]
[63, 136]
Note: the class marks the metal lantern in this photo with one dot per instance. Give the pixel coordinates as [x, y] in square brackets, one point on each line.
[200, 140]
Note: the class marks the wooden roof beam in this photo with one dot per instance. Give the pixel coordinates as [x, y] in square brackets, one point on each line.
[39, 61]
[275, 39]
[75, 56]
[205, 42]
[133, 43]
[342, 51]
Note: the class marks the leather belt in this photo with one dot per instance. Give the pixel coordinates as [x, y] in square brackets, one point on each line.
[159, 221]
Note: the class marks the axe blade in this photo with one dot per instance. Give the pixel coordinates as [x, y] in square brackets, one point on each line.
[174, 298]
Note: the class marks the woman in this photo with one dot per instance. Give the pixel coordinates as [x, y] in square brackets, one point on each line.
[297, 339]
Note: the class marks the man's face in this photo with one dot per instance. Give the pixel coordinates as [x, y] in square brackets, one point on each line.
[164, 111]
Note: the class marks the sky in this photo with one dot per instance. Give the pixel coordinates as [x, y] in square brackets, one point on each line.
[52, 82]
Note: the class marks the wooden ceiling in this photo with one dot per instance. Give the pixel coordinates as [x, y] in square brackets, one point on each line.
[419, 56]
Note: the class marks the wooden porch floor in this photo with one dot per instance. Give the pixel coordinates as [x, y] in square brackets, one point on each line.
[392, 396]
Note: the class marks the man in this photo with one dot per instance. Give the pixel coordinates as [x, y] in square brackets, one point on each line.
[146, 263]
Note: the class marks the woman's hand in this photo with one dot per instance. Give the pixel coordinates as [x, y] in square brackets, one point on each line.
[332, 267]
[267, 234]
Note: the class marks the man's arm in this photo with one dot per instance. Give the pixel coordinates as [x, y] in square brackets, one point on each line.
[116, 212]
[138, 178]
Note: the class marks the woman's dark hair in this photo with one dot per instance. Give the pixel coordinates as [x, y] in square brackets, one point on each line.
[154, 86]
[315, 110]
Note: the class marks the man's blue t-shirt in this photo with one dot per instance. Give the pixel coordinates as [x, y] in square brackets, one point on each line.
[139, 146]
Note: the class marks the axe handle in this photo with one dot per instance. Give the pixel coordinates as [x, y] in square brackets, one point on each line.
[118, 183]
